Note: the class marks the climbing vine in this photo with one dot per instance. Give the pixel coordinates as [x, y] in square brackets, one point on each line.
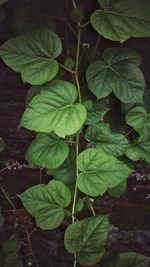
[67, 108]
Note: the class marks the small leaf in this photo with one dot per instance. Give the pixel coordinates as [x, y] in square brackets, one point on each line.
[97, 112]
[100, 136]
[12, 245]
[130, 259]
[33, 55]
[118, 190]
[67, 171]
[122, 19]
[99, 171]
[117, 72]
[139, 151]
[139, 119]
[53, 110]
[46, 203]
[47, 151]
[12, 260]
[86, 238]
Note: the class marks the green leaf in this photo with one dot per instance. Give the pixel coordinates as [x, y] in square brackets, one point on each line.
[32, 92]
[139, 119]
[12, 245]
[2, 220]
[67, 171]
[86, 238]
[118, 190]
[2, 144]
[100, 136]
[33, 55]
[97, 112]
[46, 203]
[139, 151]
[130, 259]
[54, 110]
[122, 19]
[12, 260]
[47, 151]
[99, 171]
[146, 100]
[117, 72]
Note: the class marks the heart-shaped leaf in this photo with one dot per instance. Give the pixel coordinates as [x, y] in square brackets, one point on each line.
[67, 171]
[54, 110]
[46, 203]
[33, 55]
[86, 238]
[130, 259]
[122, 19]
[139, 119]
[99, 171]
[139, 151]
[12, 245]
[117, 72]
[100, 136]
[47, 151]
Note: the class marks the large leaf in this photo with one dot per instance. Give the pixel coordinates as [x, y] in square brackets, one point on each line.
[47, 151]
[33, 55]
[99, 171]
[46, 203]
[86, 238]
[130, 259]
[100, 136]
[117, 72]
[97, 112]
[54, 110]
[67, 171]
[122, 19]
[139, 151]
[139, 119]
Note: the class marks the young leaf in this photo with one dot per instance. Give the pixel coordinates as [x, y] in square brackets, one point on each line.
[100, 136]
[86, 238]
[12, 245]
[139, 119]
[139, 151]
[67, 171]
[97, 112]
[46, 203]
[117, 72]
[47, 151]
[33, 55]
[130, 259]
[12, 260]
[122, 19]
[99, 171]
[54, 110]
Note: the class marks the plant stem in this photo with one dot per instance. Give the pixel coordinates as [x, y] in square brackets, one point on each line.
[7, 197]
